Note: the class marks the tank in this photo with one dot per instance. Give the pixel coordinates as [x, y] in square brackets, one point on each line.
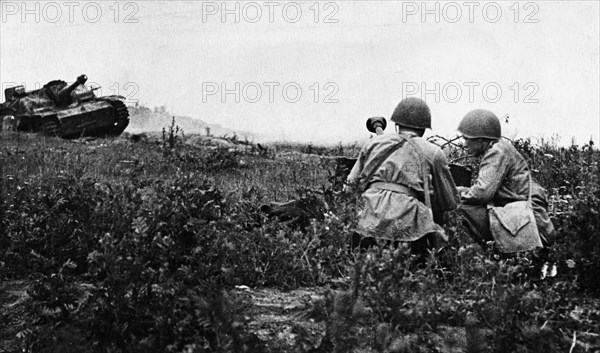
[68, 111]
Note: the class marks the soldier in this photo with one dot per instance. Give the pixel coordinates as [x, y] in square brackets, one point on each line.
[408, 185]
[8, 123]
[503, 177]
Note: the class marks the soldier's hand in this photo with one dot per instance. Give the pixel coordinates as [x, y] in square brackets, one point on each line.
[346, 189]
[461, 190]
[350, 186]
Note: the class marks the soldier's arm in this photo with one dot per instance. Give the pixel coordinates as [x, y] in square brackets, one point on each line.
[445, 195]
[356, 169]
[492, 171]
[354, 176]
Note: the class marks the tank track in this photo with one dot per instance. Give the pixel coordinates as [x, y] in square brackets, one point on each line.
[121, 119]
[50, 128]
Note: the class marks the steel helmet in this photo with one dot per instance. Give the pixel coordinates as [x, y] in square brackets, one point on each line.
[412, 112]
[480, 123]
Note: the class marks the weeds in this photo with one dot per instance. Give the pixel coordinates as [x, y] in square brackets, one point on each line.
[170, 136]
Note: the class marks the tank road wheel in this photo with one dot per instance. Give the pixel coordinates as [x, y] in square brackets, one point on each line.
[50, 127]
[121, 118]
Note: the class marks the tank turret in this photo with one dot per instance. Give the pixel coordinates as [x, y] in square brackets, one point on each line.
[60, 93]
[65, 94]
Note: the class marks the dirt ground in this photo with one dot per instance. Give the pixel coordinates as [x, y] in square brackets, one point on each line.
[283, 320]
[12, 308]
[286, 321]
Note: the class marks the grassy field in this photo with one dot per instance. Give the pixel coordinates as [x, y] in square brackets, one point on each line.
[122, 246]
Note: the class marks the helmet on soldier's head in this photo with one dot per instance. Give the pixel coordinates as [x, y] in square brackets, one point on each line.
[480, 123]
[412, 112]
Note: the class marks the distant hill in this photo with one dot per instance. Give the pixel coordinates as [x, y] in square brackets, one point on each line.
[144, 119]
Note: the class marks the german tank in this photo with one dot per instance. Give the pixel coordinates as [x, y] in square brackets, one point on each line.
[68, 111]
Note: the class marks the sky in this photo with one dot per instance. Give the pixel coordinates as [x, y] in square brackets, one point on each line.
[313, 71]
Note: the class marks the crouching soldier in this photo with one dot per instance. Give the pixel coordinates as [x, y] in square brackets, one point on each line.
[504, 178]
[406, 184]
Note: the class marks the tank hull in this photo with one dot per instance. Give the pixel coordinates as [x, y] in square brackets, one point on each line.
[98, 119]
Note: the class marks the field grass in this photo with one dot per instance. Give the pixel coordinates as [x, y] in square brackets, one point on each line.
[137, 247]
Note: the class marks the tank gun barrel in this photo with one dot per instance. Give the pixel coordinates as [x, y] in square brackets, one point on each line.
[64, 94]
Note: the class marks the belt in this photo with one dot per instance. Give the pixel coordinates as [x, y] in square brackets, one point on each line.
[399, 188]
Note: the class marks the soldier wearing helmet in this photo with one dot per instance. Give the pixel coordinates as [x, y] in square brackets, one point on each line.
[407, 183]
[503, 178]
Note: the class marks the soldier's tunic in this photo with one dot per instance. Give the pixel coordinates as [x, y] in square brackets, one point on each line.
[393, 203]
[503, 178]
